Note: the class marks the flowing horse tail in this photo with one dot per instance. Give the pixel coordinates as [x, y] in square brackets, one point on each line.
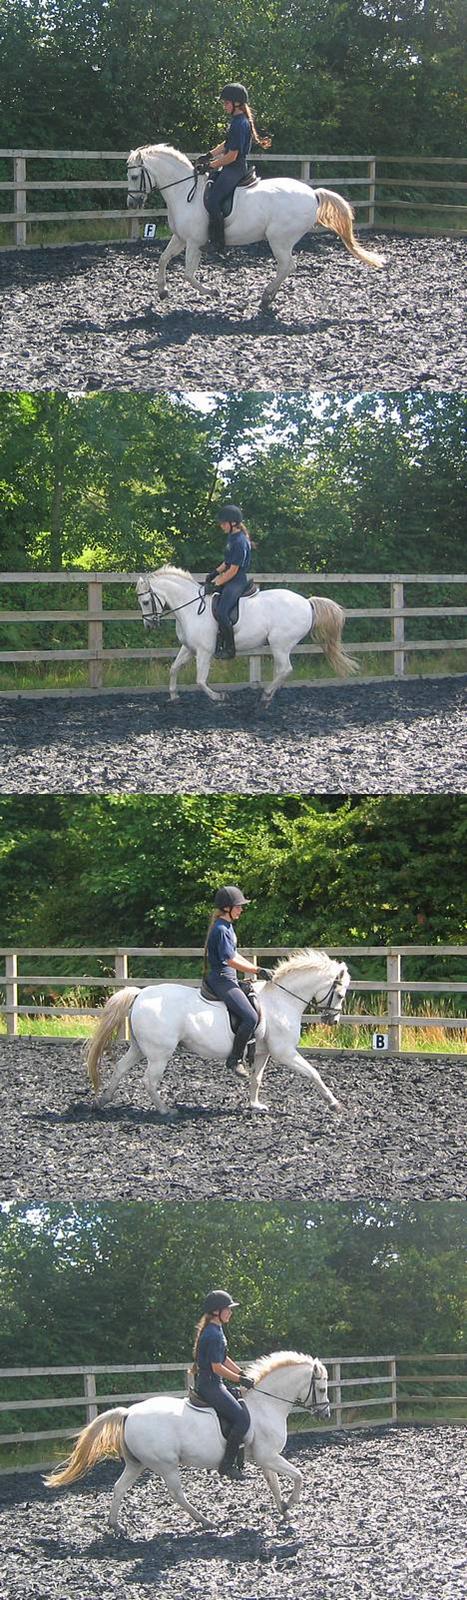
[113, 1014]
[103, 1437]
[336, 213]
[327, 626]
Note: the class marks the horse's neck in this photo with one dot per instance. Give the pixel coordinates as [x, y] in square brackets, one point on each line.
[166, 166]
[174, 588]
[283, 1382]
[306, 982]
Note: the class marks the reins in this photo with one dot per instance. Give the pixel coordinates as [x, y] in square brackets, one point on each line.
[200, 596]
[285, 1399]
[161, 187]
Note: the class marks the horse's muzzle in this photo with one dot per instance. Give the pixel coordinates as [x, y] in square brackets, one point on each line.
[135, 200]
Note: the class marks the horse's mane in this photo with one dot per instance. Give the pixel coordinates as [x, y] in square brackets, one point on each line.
[302, 958]
[176, 572]
[160, 149]
[278, 1358]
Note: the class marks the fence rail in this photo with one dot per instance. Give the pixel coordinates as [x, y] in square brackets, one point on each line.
[388, 1022]
[376, 193]
[94, 617]
[397, 1388]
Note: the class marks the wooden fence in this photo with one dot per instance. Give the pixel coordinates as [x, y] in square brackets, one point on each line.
[398, 1383]
[94, 617]
[370, 187]
[394, 986]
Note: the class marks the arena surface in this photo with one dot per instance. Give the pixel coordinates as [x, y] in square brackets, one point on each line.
[380, 1518]
[401, 1134]
[396, 737]
[88, 317]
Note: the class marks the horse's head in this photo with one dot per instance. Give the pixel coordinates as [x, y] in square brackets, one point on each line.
[329, 998]
[139, 180]
[319, 1389]
[151, 604]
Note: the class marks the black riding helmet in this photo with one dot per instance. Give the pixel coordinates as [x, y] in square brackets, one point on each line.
[229, 895]
[230, 514]
[219, 1300]
[235, 92]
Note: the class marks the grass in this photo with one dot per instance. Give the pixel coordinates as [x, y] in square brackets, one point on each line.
[155, 674]
[432, 1040]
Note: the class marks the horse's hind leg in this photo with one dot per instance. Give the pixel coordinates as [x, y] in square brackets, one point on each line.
[129, 1476]
[173, 1480]
[285, 266]
[174, 248]
[282, 670]
[153, 1077]
[123, 1066]
[192, 261]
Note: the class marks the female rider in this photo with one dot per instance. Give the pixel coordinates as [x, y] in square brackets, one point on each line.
[222, 963]
[212, 1365]
[228, 162]
[231, 576]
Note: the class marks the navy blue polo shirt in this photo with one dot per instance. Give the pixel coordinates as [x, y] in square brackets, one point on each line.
[212, 1346]
[239, 135]
[221, 946]
[238, 551]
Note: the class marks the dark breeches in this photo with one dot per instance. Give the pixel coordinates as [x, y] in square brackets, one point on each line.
[229, 594]
[223, 1402]
[232, 994]
[217, 188]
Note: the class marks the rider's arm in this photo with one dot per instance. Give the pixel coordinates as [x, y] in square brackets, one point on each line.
[227, 574]
[242, 963]
[224, 160]
[225, 1371]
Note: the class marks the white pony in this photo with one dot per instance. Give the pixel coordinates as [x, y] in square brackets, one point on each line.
[165, 1015]
[164, 1434]
[280, 210]
[274, 617]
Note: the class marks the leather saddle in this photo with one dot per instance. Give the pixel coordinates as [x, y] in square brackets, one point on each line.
[207, 994]
[247, 595]
[226, 1426]
[250, 181]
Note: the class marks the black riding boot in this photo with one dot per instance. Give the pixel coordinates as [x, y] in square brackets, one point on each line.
[242, 1038]
[225, 644]
[217, 234]
[228, 1468]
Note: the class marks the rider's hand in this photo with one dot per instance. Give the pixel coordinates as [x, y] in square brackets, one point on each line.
[246, 1383]
[210, 576]
[264, 972]
[203, 163]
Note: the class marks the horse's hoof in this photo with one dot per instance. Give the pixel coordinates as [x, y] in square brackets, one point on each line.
[163, 294]
[259, 1105]
[241, 1070]
[336, 1105]
[174, 697]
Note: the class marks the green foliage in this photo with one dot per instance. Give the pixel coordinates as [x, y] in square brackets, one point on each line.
[125, 1282]
[323, 74]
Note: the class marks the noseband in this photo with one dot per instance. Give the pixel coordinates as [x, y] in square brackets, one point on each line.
[156, 600]
[146, 184]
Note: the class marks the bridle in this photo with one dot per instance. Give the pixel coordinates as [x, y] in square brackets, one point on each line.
[157, 601]
[147, 184]
[324, 1006]
[302, 1405]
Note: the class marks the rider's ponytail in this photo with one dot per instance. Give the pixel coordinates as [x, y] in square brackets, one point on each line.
[265, 143]
[244, 529]
[200, 1326]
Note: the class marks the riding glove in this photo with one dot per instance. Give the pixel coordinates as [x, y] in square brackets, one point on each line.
[246, 1383]
[265, 972]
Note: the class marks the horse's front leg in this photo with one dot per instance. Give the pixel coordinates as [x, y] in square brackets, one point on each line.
[203, 662]
[285, 265]
[181, 659]
[284, 1469]
[256, 1078]
[174, 248]
[292, 1058]
[192, 261]
[273, 1484]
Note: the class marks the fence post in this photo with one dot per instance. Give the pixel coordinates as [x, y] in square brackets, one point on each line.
[398, 635]
[19, 176]
[305, 169]
[90, 1396]
[11, 993]
[393, 970]
[393, 1378]
[256, 669]
[95, 631]
[337, 1392]
[371, 191]
[121, 971]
